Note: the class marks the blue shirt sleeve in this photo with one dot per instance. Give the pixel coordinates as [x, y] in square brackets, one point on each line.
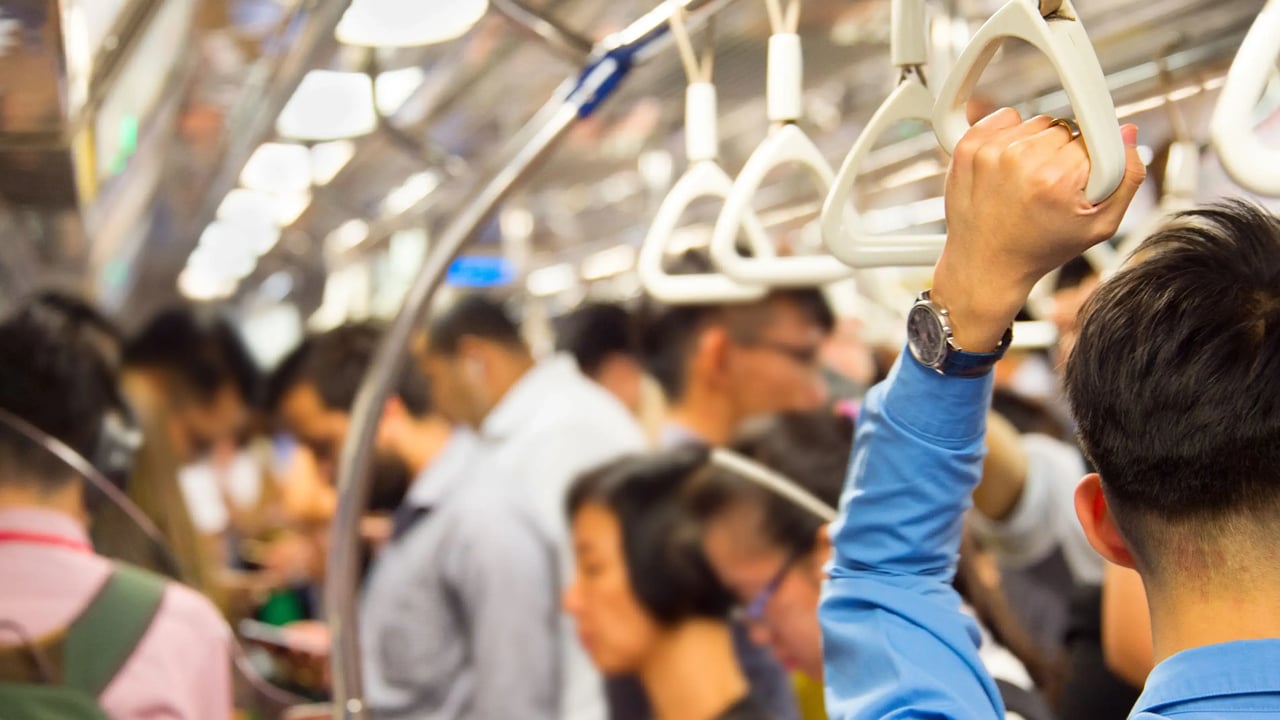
[896, 643]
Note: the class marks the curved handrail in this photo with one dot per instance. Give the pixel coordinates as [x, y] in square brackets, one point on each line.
[1249, 162]
[1062, 39]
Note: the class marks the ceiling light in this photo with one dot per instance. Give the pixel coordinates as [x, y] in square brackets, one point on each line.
[406, 23]
[240, 237]
[551, 280]
[278, 168]
[328, 159]
[607, 263]
[329, 105]
[347, 235]
[223, 261]
[199, 285]
[257, 208]
[395, 87]
[412, 191]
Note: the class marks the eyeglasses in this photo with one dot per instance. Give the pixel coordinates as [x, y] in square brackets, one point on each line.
[804, 356]
[754, 610]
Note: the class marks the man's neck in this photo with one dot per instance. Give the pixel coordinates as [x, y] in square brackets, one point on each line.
[693, 674]
[507, 371]
[68, 500]
[424, 442]
[1199, 614]
[707, 416]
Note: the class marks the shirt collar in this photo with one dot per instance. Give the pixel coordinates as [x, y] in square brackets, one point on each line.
[445, 472]
[527, 396]
[45, 522]
[1235, 668]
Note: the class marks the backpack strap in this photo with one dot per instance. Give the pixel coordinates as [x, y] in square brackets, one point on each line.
[101, 640]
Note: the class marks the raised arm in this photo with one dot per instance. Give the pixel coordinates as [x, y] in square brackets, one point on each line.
[896, 644]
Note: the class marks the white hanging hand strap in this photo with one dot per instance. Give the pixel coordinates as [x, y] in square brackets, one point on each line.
[842, 226]
[1062, 39]
[704, 178]
[785, 144]
[1249, 162]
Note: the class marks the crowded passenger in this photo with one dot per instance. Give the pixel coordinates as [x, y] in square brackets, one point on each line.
[81, 631]
[646, 601]
[438, 635]
[1185, 464]
[541, 425]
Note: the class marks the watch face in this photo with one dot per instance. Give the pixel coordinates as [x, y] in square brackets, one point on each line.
[925, 336]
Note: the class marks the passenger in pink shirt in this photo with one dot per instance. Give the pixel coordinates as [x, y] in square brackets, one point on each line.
[52, 378]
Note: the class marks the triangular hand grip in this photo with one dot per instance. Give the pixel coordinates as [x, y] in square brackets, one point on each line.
[842, 228]
[701, 180]
[1064, 42]
[785, 144]
[1248, 161]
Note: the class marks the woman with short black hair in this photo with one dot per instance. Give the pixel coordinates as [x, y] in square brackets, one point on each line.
[645, 599]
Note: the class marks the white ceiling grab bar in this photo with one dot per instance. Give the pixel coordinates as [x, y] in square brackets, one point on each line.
[786, 143]
[704, 178]
[1249, 162]
[1062, 38]
[842, 227]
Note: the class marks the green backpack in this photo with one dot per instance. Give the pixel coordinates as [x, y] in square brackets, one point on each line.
[61, 676]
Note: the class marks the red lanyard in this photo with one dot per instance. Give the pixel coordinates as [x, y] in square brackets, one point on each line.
[35, 538]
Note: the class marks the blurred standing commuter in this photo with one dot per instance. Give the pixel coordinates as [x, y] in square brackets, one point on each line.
[540, 425]
[440, 637]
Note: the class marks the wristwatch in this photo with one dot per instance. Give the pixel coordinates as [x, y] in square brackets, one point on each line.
[932, 342]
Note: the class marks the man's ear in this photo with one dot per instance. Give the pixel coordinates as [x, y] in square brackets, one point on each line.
[713, 350]
[822, 552]
[1099, 522]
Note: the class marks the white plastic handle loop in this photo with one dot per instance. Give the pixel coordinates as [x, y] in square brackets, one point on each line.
[784, 92]
[701, 135]
[1248, 161]
[785, 144]
[1062, 39]
[842, 227]
[702, 179]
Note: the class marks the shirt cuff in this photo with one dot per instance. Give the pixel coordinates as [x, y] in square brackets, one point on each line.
[935, 405]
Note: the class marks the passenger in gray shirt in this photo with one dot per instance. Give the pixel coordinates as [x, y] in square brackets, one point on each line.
[459, 617]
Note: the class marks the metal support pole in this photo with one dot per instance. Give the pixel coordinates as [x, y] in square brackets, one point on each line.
[577, 98]
[563, 41]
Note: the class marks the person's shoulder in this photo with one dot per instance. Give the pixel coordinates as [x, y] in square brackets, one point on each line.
[185, 612]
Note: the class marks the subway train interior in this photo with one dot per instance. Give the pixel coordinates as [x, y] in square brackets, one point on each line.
[639, 359]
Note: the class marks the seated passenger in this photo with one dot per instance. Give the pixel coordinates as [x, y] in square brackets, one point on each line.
[115, 636]
[646, 602]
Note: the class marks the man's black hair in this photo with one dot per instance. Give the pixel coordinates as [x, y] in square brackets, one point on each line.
[1175, 379]
[54, 377]
[204, 351]
[810, 448]
[594, 333]
[661, 540]
[670, 332]
[1075, 272]
[335, 364]
[473, 316]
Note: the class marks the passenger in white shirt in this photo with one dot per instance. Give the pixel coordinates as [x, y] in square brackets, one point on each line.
[541, 425]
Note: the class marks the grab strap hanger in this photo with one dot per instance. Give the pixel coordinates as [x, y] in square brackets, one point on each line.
[1249, 162]
[704, 178]
[786, 143]
[1053, 27]
[842, 227]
